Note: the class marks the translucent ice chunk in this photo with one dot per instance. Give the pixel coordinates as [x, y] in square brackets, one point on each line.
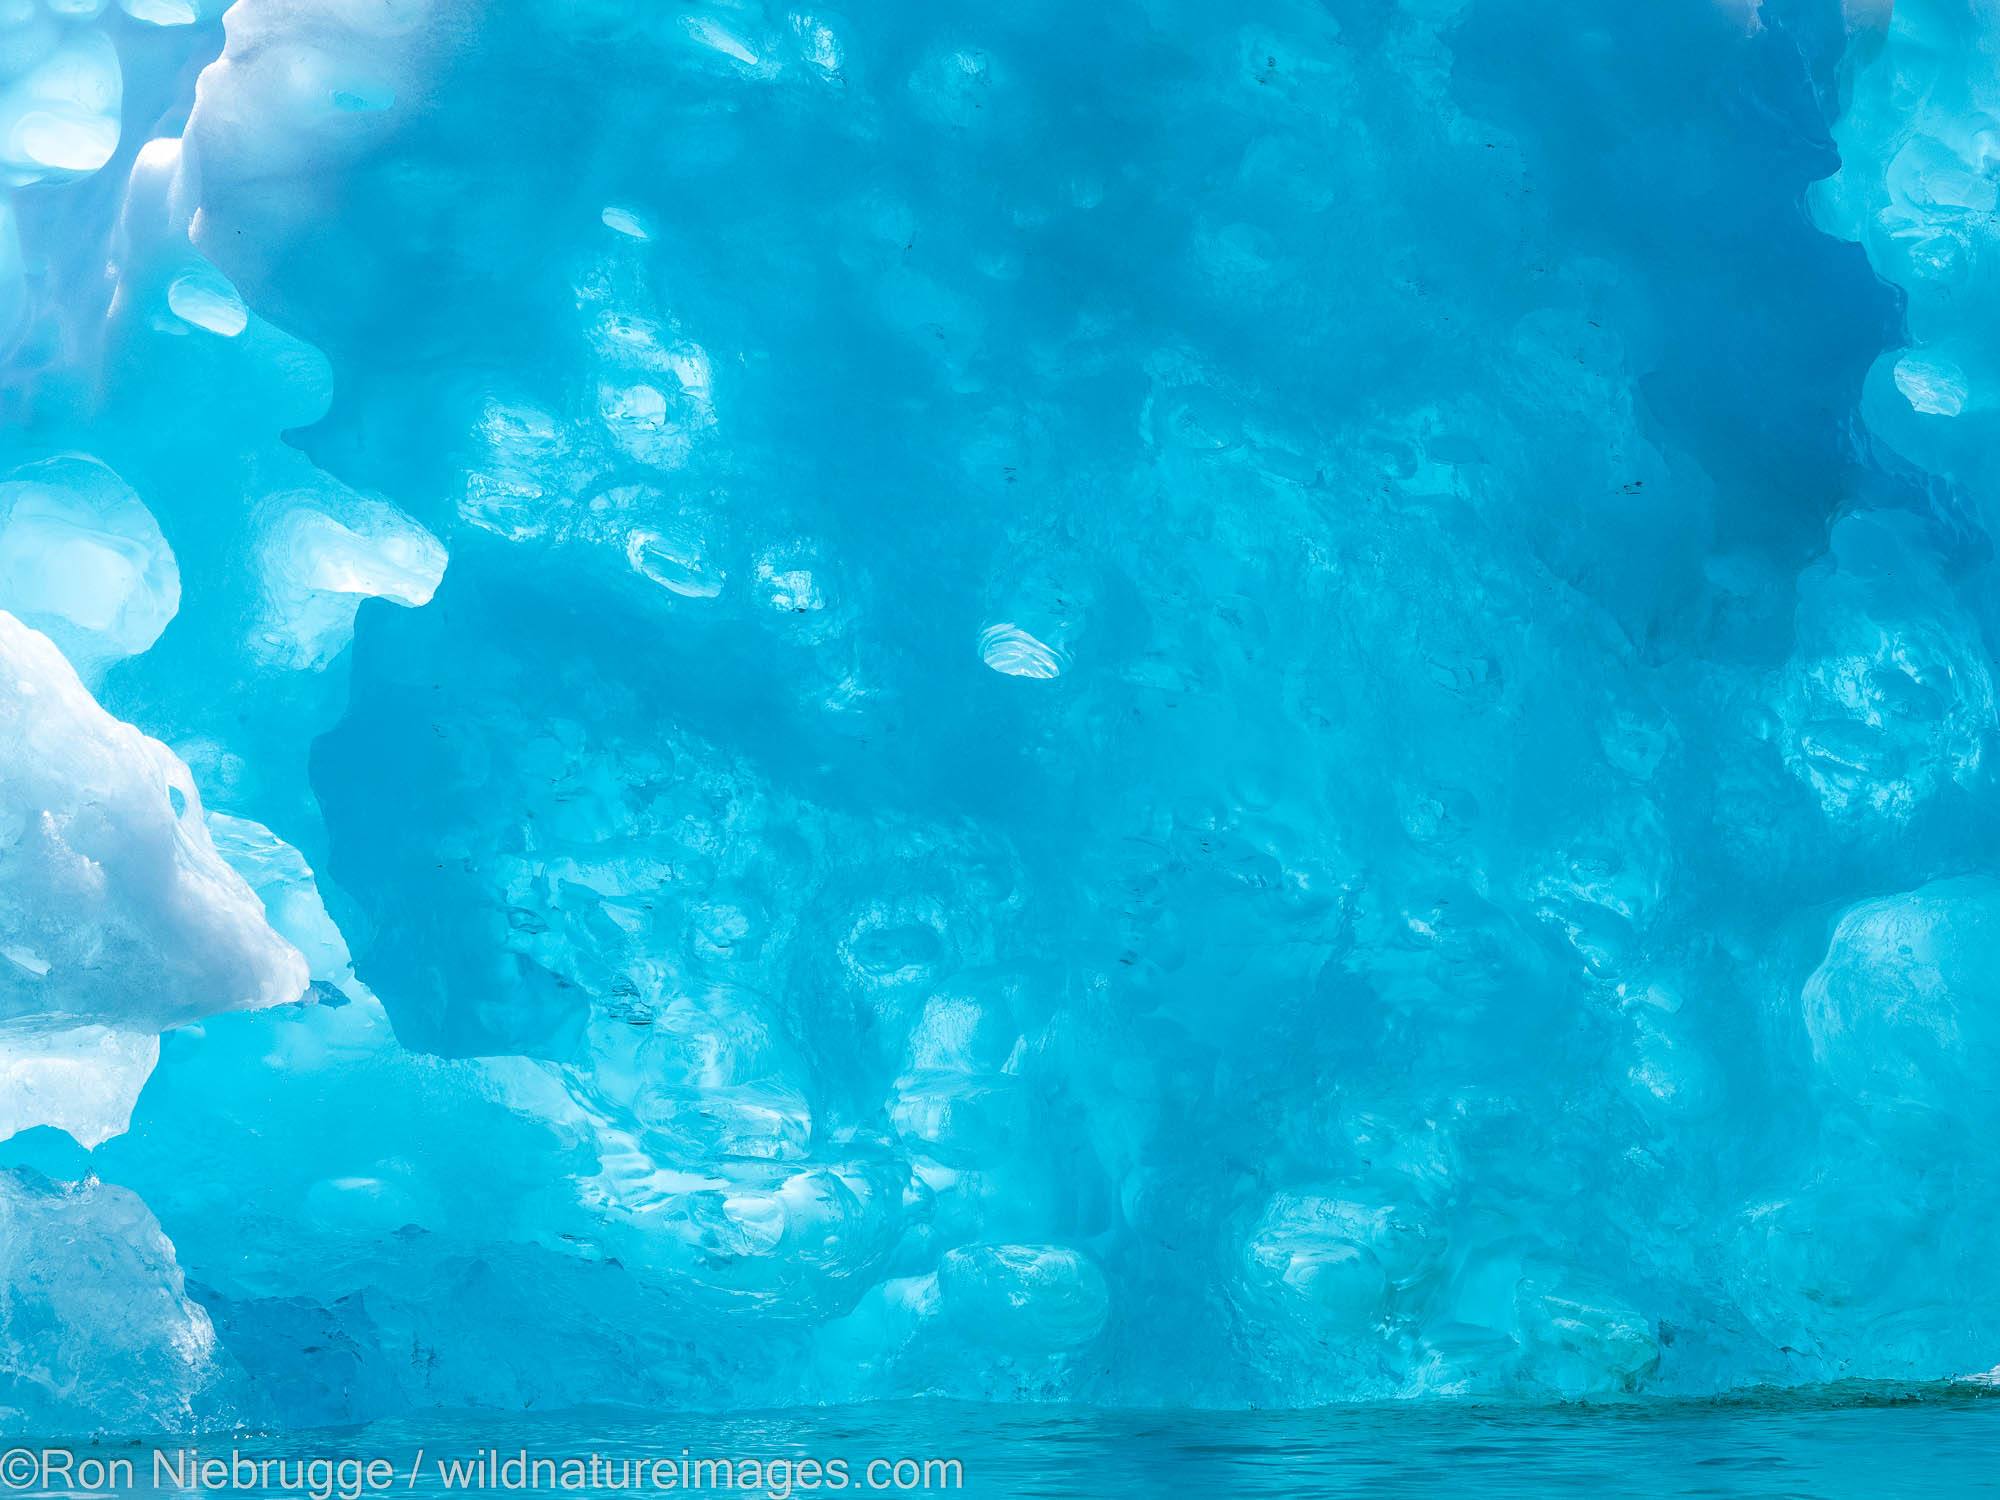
[321, 555]
[1023, 1299]
[100, 1332]
[82, 560]
[60, 119]
[1901, 1012]
[675, 560]
[284, 882]
[107, 876]
[83, 1081]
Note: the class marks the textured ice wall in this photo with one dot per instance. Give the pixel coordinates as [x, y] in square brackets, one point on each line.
[1158, 703]
[118, 918]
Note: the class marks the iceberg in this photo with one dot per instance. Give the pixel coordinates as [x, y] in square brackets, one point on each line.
[1175, 706]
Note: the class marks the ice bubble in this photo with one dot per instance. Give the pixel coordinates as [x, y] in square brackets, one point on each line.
[1673, 1075]
[790, 590]
[956, 86]
[894, 944]
[82, 560]
[1838, 1249]
[817, 41]
[954, 1120]
[1582, 1343]
[708, 32]
[206, 300]
[676, 561]
[1934, 386]
[521, 473]
[626, 222]
[641, 423]
[1298, 1255]
[1010, 650]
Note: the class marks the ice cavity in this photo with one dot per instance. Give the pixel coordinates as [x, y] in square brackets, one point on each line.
[115, 909]
[83, 561]
[321, 553]
[1013, 652]
[171, 12]
[205, 299]
[59, 113]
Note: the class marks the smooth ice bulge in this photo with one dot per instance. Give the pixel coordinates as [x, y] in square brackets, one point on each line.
[1177, 705]
[82, 560]
[60, 91]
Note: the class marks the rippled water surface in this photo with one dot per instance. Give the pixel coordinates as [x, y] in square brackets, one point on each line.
[1868, 1443]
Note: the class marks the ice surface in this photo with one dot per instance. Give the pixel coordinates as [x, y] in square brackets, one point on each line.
[321, 555]
[83, 1081]
[99, 1326]
[59, 116]
[115, 909]
[283, 882]
[1166, 704]
[1918, 140]
[82, 560]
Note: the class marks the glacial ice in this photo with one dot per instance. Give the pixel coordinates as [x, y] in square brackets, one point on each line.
[1228, 706]
[100, 1326]
[82, 1081]
[117, 910]
[60, 94]
[283, 883]
[321, 555]
[82, 560]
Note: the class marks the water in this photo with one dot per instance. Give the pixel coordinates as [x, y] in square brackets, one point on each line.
[1871, 1441]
